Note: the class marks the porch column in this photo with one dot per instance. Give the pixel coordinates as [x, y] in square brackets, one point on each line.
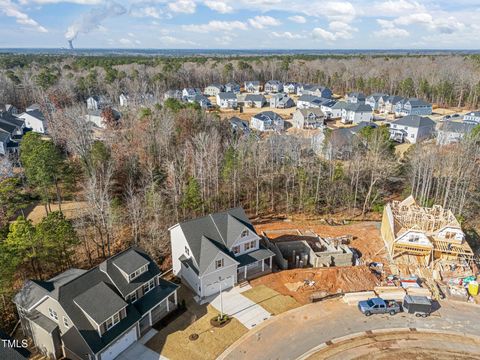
[175, 297]
[150, 317]
[168, 305]
[245, 271]
[263, 265]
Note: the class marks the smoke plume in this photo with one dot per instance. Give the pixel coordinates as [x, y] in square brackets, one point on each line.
[92, 19]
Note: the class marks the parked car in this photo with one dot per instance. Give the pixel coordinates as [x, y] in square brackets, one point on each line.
[379, 306]
[418, 305]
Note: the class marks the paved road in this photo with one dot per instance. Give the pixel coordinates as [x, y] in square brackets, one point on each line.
[294, 333]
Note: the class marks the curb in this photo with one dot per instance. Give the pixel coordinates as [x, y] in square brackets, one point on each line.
[381, 331]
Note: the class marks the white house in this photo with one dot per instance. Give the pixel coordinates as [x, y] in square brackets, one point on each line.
[255, 100]
[450, 132]
[355, 97]
[4, 140]
[227, 100]
[389, 104]
[273, 86]
[374, 100]
[97, 102]
[328, 109]
[267, 121]
[188, 93]
[213, 89]
[356, 113]
[473, 117]
[307, 101]
[290, 87]
[97, 117]
[232, 87]
[308, 118]
[281, 101]
[316, 90]
[413, 106]
[217, 251]
[252, 87]
[412, 129]
[34, 120]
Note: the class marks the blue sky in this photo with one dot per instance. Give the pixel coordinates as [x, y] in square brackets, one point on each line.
[241, 24]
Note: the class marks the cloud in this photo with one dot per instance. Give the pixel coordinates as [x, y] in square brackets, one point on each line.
[337, 30]
[263, 21]
[45, 2]
[216, 25]
[171, 40]
[224, 39]
[397, 7]
[183, 6]
[148, 11]
[333, 10]
[298, 19]
[287, 35]
[218, 6]
[392, 32]
[11, 10]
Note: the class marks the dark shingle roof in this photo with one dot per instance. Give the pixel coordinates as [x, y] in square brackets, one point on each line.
[268, 115]
[100, 302]
[130, 261]
[255, 97]
[456, 127]
[227, 96]
[254, 256]
[414, 121]
[358, 107]
[8, 353]
[41, 320]
[153, 297]
[208, 235]
[414, 102]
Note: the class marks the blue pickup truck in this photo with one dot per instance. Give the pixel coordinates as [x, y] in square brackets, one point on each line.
[379, 306]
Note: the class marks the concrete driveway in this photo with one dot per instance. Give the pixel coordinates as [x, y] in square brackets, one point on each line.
[240, 307]
[295, 332]
[139, 351]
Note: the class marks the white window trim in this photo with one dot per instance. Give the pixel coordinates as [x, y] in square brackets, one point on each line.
[113, 321]
[151, 286]
[53, 314]
[65, 322]
[222, 264]
[138, 272]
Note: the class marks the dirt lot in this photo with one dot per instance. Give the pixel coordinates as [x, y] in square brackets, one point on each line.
[366, 239]
[271, 300]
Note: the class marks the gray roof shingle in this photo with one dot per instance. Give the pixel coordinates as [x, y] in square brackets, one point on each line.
[414, 121]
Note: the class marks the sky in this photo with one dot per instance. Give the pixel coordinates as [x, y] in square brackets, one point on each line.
[241, 24]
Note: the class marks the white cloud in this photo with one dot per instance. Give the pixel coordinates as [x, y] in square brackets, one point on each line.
[262, 21]
[218, 6]
[125, 41]
[216, 25]
[392, 32]
[416, 18]
[80, 2]
[148, 11]
[287, 35]
[171, 40]
[183, 6]
[11, 10]
[319, 33]
[397, 7]
[298, 19]
[337, 30]
[224, 39]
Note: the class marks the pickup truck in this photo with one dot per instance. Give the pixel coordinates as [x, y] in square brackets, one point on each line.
[379, 306]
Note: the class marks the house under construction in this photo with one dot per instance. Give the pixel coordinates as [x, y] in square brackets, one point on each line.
[425, 233]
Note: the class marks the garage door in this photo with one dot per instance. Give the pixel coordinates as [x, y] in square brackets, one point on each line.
[120, 345]
[214, 288]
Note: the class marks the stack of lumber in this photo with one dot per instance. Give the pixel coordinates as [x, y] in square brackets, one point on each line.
[419, 292]
[390, 292]
[354, 298]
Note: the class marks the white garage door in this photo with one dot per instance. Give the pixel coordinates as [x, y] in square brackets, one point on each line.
[214, 288]
[120, 345]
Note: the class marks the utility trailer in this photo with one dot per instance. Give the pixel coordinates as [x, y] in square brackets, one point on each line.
[418, 305]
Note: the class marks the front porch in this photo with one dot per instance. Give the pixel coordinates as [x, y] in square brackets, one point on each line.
[398, 135]
[254, 264]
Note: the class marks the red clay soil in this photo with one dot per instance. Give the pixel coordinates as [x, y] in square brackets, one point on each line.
[326, 281]
[366, 239]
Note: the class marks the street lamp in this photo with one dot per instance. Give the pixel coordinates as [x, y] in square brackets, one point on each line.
[221, 297]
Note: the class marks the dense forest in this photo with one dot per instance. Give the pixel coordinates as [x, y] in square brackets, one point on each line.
[170, 162]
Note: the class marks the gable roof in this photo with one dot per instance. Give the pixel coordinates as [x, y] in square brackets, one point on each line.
[129, 261]
[100, 302]
[456, 127]
[268, 116]
[358, 107]
[208, 235]
[315, 111]
[414, 102]
[376, 96]
[34, 113]
[255, 97]
[226, 96]
[395, 99]
[414, 121]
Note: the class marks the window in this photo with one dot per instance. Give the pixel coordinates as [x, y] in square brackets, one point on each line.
[148, 286]
[218, 264]
[187, 251]
[412, 135]
[65, 322]
[114, 320]
[250, 245]
[236, 250]
[132, 297]
[53, 314]
[244, 233]
[138, 272]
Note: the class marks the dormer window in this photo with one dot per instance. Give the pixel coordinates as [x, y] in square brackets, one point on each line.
[111, 322]
[219, 264]
[148, 286]
[187, 251]
[53, 314]
[138, 272]
[236, 250]
[244, 233]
